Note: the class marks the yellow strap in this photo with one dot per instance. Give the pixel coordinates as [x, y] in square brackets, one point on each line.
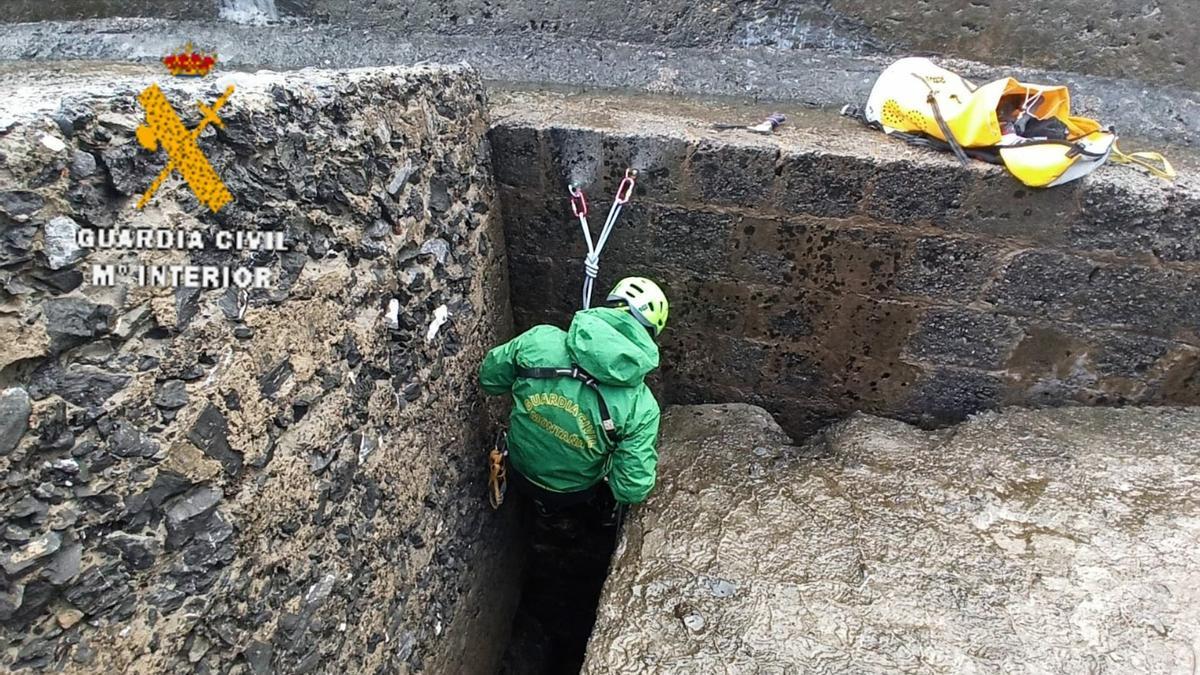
[497, 478]
[1152, 162]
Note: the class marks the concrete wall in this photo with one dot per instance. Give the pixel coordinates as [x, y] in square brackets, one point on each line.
[200, 481]
[829, 269]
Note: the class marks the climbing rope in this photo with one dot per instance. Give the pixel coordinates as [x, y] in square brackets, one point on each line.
[579, 208]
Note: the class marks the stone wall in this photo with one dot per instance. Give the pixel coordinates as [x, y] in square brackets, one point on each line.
[828, 269]
[286, 479]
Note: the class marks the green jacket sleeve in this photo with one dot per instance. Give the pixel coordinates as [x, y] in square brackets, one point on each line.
[499, 368]
[635, 461]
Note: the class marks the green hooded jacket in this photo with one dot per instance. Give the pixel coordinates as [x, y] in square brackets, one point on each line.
[555, 438]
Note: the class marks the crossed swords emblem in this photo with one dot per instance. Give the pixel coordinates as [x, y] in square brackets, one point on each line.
[164, 127]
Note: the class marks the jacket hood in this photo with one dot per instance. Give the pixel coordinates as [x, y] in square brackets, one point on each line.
[612, 346]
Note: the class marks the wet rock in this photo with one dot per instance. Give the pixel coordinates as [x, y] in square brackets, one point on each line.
[934, 540]
[20, 203]
[965, 338]
[271, 381]
[1040, 282]
[78, 317]
[99, 588]
[83, 164]
[948, 395]
[230, 304]
[439, 248]
[138, 551]
[439, 195]
[129, 441]
[187, 303]
[66, 465]
[88, 386]
[140, 507]
[16, 242]
[17, 562]
[209, 433]
[63, 281]
[65, 565]
[11, 597]
[84, 654]
[15, 409]
[188, 513]
[170, 394]
[400, 177]
[258, 656]
[54, 434]
[16, 534]
[35, 654]
[29, 507]
[61, 247]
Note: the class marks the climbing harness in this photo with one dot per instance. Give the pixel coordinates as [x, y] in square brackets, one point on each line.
[497, 470]
[576, 373]
[579, 208]
[1027, 128]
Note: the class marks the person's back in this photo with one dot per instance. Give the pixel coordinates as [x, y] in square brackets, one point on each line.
[557, 439]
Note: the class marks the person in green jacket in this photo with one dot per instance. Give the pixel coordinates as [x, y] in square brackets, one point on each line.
[563, 383]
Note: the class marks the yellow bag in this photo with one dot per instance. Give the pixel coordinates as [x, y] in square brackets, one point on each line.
[915, 97]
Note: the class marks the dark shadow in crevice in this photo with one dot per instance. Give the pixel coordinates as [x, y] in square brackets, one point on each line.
[566, 564]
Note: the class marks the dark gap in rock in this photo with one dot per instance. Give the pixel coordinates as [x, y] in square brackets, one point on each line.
[566, 563]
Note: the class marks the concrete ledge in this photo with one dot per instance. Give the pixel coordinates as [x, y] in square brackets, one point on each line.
[1017, 538]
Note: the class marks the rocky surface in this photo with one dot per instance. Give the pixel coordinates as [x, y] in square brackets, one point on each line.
[1058, 541]
[832, 75]
[275, 479]
[827, 269]
[1154, 42]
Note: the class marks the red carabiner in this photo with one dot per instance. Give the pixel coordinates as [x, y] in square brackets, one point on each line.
[625, 189]
[579, 206]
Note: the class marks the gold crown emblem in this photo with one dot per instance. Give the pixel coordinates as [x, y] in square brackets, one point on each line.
[189, 62]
